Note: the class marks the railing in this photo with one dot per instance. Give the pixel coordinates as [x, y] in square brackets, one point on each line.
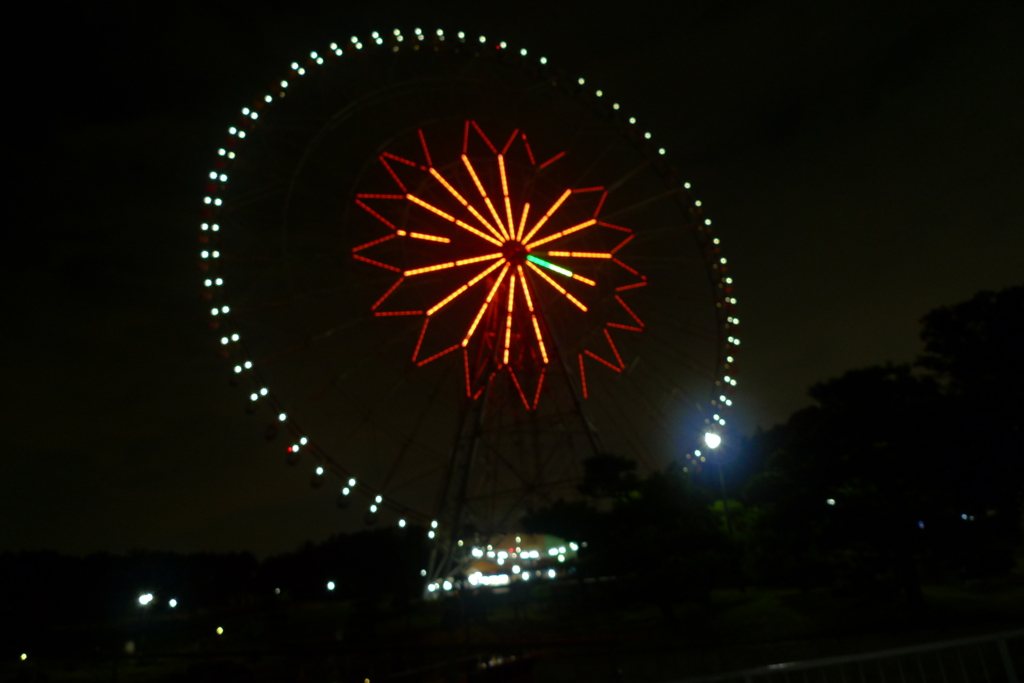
[984, 659]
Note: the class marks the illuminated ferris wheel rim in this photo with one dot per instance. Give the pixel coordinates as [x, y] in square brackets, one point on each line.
[209, 255]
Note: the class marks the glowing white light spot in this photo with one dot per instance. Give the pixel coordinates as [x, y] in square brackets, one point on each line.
[379, 499]
[830, 501]
[220, 630]
[234, 337]
[551, 573]
[221, 151]
[319, 471]
[330, 585]
[522, 52]
[712, 440]
[543, 60]
[433, 524]
[223, 340]
[647, 136]
[581, 81]
[615, 106]
[145, 598]
[516, 569]
[254, 397]
[373, 508]
[661, 150]
[263, 391]
[447, 585]
[247, 364]
[245, 110]
[172, 603]
[267, 98]
[238, 368]
[303, 441]
[401, 523]
[24, 656]
[295, 67]
[345, 491]
[351, 482]
[632, 119]
[430, 534]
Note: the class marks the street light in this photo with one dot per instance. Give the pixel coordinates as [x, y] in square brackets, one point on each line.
[713, 441]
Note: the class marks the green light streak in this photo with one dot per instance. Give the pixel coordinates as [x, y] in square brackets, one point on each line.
[549, 266]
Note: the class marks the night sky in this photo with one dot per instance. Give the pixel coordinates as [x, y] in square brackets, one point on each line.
[863, 165]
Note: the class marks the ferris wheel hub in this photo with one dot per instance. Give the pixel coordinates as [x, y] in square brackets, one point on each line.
[514, 252]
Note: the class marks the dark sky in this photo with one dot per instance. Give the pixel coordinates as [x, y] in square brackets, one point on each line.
[864, 163]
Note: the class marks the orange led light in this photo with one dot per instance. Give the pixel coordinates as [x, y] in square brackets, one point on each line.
[429, 238]
[563, 233]
[584, 280]
[540, 340]
[445, 301]
[546, 216]
[391, 289]
[477, 259]
[608, 336]
[625, 327]
[385, 314]
[487, 302]
[497, 219]
[596, 188]
[629, 310]
[463, 288]
[600, 203]
[485, 222]
[504, 190]
[522, 221]
[623, 288]
[602, 360]
[526, 290]
[376, 263]
[580, 254]
[473, 175]
[385, 238]
[551, 160]
[437, 355]
[376, 215]
[529, 151]
[430, 207]
[429, 269]
[558, 287]
[508, 322]
[365, 195]
[448, 186]
[583, 377]
[465, 226]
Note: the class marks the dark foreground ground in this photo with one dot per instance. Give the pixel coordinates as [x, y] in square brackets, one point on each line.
[557, 631]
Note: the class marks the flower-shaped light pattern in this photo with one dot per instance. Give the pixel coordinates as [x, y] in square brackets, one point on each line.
[509, 253]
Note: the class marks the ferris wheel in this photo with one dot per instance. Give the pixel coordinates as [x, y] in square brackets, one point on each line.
[449, 274]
